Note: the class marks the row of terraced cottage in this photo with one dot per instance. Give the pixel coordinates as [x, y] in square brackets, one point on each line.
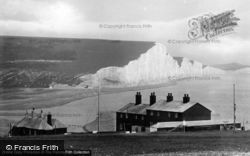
[167, 114]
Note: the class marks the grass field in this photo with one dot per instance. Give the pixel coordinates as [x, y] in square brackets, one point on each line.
[227, 143]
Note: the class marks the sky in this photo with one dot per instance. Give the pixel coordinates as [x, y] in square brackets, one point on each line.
[142, 20]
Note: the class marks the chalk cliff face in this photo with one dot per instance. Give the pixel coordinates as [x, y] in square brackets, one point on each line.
[154, 66]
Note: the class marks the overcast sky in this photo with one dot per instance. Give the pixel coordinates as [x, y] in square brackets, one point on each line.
[165, 20]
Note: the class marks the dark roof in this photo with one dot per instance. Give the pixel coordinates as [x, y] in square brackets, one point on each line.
[38, 121]
[33, 123]
[161, 105]
[173, 106]
[136, 109]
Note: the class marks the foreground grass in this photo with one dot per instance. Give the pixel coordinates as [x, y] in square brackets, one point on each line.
[129, 144]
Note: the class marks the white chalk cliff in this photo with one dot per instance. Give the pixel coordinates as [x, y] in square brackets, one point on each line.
[154, 66]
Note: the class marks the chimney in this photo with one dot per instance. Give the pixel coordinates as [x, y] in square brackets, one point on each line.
[49, 119]
[32, 112]
[41, 114]
[186, 98]
[138, 98]
[170, 97]
[152, 98]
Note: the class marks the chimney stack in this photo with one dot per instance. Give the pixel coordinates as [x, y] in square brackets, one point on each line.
[41, 114]
[49, 119]
[152, 98]
[170, 97]
[32, 112]
[186, 98]
[138, 98]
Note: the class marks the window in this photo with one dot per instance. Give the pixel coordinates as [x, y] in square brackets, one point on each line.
[136, 117]
[126, 116]
[169, 115]
[158, 113]
[176, 115]
[142, 117]
[151, 113]
[121, 115]
[121, 126]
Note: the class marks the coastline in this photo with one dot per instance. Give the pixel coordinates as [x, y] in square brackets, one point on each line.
[75, 94]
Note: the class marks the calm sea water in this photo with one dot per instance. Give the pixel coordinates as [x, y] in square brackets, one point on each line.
[81, 55]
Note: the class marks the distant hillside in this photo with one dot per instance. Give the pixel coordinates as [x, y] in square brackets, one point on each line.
[243, 71]
[231, 66]
[36, 62]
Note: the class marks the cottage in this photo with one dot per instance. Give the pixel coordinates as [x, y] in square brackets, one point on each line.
[38, 124]
[137, 116]
[170, 110]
